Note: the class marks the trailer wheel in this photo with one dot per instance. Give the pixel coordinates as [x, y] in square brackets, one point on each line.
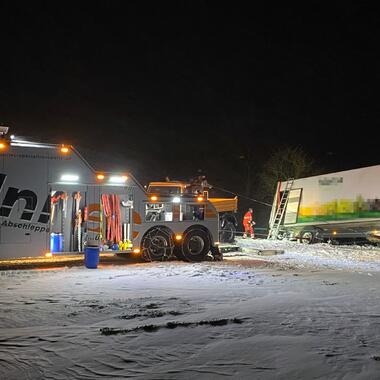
[157, 245]
[227, 234]
[196, 245]
[307, 237]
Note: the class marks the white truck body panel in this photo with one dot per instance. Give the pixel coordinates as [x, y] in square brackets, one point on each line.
[341, 200]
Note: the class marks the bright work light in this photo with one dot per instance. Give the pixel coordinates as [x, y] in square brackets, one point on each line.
[118, 179]
[69, 177]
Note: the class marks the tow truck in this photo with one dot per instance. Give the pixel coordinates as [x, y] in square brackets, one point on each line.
[226, 207]
[52, 201]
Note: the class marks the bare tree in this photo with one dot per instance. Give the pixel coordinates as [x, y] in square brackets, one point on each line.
[288, 162]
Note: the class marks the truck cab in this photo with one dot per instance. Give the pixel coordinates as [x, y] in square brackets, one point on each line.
[226, 207]
[168, 188]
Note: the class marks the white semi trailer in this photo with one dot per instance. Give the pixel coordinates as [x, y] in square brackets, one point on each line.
[53, 201]
[341, 206]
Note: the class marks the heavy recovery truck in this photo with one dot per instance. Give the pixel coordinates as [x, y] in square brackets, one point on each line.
[52, 201]
[226, 207]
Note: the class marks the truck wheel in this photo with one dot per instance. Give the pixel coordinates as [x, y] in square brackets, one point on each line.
[157, 245]
[227, 234]
[307, 237]
[196, 245]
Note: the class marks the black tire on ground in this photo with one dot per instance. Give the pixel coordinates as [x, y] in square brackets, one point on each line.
[227, 234]
[196, 245]
[157, 245]
[307, 237]
[216, 253]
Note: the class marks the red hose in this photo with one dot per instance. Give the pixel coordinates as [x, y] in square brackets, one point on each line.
[107, 213]
[118, 224]
[111, 208]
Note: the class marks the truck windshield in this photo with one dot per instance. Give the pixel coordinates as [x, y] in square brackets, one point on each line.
[164, 190]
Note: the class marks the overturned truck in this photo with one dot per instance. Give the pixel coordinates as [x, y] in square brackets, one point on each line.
[53, 201]
[335, 207]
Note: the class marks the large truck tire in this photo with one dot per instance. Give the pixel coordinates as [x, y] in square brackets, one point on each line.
[227, 234]
[196, 245]
[157, 244]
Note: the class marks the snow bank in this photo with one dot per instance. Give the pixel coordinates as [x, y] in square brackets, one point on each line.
[351, 257]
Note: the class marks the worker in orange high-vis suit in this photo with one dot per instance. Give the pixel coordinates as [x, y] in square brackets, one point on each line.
[248, 224]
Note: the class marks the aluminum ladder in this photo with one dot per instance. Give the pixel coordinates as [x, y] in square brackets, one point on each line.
[275, 223]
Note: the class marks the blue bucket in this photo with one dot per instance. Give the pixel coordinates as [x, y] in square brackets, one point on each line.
[91, 257]
[56, 242]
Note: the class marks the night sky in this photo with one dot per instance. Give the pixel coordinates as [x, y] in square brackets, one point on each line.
[168, 88]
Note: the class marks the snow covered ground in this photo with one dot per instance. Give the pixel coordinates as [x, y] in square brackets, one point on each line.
[351, 257]
[179, 320]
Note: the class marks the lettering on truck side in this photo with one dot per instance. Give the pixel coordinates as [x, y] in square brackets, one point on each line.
[14, 194]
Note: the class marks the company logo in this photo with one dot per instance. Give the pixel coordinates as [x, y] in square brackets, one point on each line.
[332, 181]
[13, 195]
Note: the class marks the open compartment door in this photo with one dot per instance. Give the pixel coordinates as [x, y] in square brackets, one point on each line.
[292, 208]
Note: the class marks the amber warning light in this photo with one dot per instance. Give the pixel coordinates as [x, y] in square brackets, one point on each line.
[64, 149]
[3, 145]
